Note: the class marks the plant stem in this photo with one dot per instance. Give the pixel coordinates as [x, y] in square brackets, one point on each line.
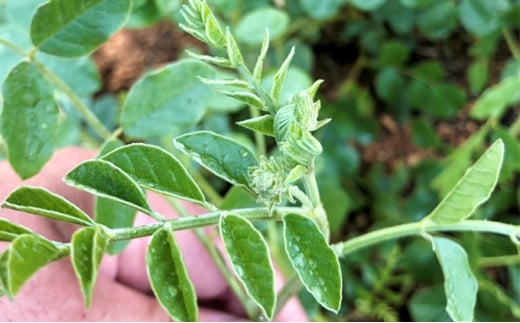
[89, 116]
[203, 220]
[259, 137]
[417, 228]
[311, 188]
[290, 288]
[508, 260]
[511, 43]
[13, 47]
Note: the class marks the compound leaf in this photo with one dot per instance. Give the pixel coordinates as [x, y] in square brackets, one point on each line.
[156, 169]
[224, 157]
[26, 255]
[76, 28]
[249, 255]
[314, 260]
[9, 231]
[39, 201]
[29, 119]
[88, 246]
[169, 278]
[460, 285]
[473, 189]
[101, 178]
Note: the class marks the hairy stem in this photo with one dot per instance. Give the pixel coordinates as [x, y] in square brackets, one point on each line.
[417, 228]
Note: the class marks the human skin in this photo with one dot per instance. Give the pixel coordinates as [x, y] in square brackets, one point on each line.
[122, 291]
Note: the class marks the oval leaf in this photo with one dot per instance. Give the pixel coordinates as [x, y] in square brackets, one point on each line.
[88, 246]
[162, 101]
[314, 260]
[222, 156]
[76, 28]
[249, 255]
[496, 99]
[473, 189]
[251, 28]
[156, 169]
[169, 278]
[29, 119]
[26, 255]
[39, 201]
[101, 178]
[9, 231]
[460, 285]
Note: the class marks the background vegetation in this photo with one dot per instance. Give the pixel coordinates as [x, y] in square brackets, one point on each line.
[416, 89]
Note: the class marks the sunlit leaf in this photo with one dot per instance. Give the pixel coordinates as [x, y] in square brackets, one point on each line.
[479, 17]
[39, 201]
[314, 260]
[88, 246]
[224, 157]
[26, 255]
[29, 119]
[76, 28]
[252, 26]
[249, 256]
[101, 178]
[460, 285]
[156, 169]
[473, 189]
[169, 278]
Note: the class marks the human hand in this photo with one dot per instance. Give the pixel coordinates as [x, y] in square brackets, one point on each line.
[122, 291]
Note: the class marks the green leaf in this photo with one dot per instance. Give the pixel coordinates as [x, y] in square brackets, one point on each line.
[9, 231]
[167, 99]
[101, 178]
[479, 17]
[246, 97]
[233, 52]
[314, 260]
[496, 99]
[460, 285]
[428, 305]
[249, 255]
[29, 119]
[473, 189]
[26, 255]
[438, 20]
[367, 5]
[321, 10]
[39, 201]
[279, 77]
[114, 215]
[251, 28]
[259, 65]
[390, 85]
[88, 246]
[169, 278]
[263, 124]
[3, 273]
[296, 80]
[156, 169]
[76, 28]
[478, 74]
[222, 156]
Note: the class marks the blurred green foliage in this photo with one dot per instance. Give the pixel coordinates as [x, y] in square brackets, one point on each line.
[416, 90]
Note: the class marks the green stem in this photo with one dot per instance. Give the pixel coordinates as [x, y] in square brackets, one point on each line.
[513, 47]
[89, 116]
[290, 288]
[417, 228]
[259, 137]
[13, 47]
[203, 220]
[508, 260]
[258, 88]
[311, 187]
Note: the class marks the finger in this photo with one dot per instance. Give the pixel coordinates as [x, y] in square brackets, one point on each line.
[53, 294]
